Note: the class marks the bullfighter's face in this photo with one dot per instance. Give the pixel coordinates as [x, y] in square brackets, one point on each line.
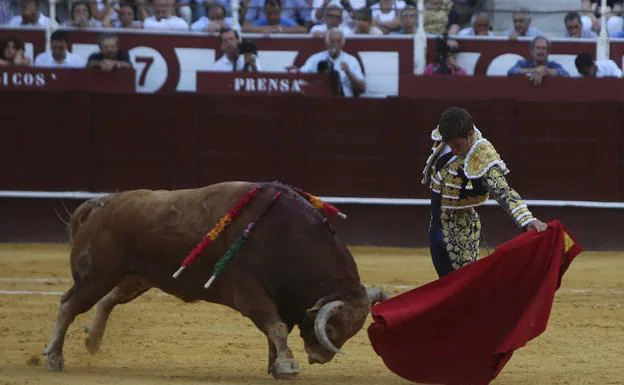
[460, 145]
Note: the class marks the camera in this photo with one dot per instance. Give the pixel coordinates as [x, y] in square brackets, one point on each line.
[442, 51]
[247, 46]
[324, 67]
[327, 67]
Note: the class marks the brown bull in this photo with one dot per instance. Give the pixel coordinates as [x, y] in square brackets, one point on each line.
[292, 270]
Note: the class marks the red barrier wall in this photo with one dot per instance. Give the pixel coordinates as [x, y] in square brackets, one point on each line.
[557, 144]
[106, 142]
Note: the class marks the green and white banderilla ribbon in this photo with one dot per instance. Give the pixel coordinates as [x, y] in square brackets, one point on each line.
[223, 263]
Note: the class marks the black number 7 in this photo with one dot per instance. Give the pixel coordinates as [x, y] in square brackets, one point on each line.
[148, 60]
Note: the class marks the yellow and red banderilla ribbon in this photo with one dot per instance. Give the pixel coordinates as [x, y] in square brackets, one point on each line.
[321, 205]
[223, 222]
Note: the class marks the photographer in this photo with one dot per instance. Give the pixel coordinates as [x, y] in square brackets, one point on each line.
[344, 70]
[238, 56]
[447, 52]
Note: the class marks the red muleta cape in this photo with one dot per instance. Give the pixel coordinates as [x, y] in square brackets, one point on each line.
[463, 328]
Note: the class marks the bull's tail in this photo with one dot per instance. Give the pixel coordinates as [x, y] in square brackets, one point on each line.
[80, 215]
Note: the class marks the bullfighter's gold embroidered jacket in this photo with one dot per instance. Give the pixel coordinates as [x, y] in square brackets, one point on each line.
[465, 182]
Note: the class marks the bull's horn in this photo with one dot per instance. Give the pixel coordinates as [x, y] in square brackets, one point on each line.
[375, 295]
[320, 324]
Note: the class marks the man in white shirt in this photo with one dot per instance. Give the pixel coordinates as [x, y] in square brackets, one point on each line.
[333, 19]
[522, 25]
[59, 56]
[574, 27]
[215, 20]
[481, 24]
[351, 78]
[232, 60]
[588, 67]
[164, 19]
[30, 16]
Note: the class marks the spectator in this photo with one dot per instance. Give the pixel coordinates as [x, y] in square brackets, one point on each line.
[12, 52]
[436, 16]
[273, 22]
[59, 55]
[319, 7]
[31, 16]
[110, 56]
[462, 14]
[5, 12]
[587, 66]
[537, 66]
[386, 14]
[127, 17]
[184, 10]
[591, 16]
[446, 60]
[164, 18]
[295, 10]
[232, 59]
[104, 11]
[351, 79]
[81, 16]
[333, 19]
[522, 25]
[214, 22]
[574, 27]
[480, 26]
[409, 18]
[363, 23]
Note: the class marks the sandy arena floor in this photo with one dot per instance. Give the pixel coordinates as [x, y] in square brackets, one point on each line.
[157, 339]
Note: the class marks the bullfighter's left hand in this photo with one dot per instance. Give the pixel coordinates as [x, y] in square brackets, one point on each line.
[536, 225]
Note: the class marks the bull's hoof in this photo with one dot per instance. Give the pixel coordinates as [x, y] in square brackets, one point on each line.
[93, 344]
[285, 369]
[55, 362]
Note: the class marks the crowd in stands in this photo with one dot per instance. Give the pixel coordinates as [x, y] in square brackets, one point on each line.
[333, 20]
[375, 17]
